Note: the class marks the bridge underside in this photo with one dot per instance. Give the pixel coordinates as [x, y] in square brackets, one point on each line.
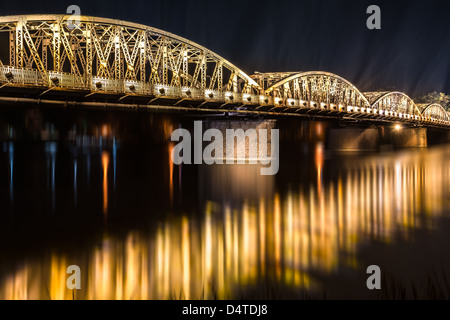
[104, 62]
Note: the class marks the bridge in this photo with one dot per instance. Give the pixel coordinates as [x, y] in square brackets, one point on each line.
[98, 61]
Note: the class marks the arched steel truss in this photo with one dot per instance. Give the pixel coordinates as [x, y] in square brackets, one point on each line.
[113, 55]
[435, 111]
[324, 90]
[316, 89]
[98, 55]
[397, 103]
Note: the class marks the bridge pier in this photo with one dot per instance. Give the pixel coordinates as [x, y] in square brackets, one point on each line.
[383, 137]
[352, 139]
[405, 137]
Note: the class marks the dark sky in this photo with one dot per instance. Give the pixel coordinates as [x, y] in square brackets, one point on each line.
[411, 52]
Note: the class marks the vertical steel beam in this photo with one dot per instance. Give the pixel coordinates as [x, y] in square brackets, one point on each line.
[164, 64]
[12, 47]
[19, 43]
[117, 59]
[203, 71]
[142, 50]
[56, 47]
[185, 68]
[44, 49]
[88, 54]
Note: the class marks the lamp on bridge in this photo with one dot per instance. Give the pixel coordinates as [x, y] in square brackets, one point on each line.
[9, 76]
[188, 93]
[231, 97]
[132, 88]
[249, 99]
[211, 95]
[162, 90]
[98, 85]
[55, 80]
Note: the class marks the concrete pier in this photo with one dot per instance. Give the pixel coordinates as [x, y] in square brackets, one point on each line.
[408, 137]
[352, 139]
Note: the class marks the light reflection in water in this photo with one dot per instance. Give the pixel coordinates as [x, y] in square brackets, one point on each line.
[51, 149]
[11, 172]
[287, 237]
[114, 151]
[170, 148]
[318, 159]
[105, 164]
[75, 170]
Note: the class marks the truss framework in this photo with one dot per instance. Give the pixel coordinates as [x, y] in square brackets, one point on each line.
[117, 51]
[112, 56]
[328, 91]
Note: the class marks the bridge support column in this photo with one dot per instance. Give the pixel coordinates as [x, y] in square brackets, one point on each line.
[408, 137]
[353, 139]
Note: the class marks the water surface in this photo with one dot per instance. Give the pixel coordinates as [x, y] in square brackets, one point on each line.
[98, 189]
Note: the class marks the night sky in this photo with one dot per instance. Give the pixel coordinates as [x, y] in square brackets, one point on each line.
[411, 52]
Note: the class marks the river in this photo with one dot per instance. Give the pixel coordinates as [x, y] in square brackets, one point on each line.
[98, 189]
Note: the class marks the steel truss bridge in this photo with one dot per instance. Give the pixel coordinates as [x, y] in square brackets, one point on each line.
[97, 59]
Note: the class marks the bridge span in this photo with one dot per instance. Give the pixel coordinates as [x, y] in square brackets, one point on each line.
[98, 61]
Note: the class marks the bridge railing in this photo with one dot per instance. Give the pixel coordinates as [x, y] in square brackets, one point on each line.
[137, 87]
[232, 97]
[214, 95]
[161, 90]
[66, 80]
[108, 85]
[191, 93]
[21, 76]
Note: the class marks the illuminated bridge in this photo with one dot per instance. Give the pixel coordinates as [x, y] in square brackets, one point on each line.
[105, 62]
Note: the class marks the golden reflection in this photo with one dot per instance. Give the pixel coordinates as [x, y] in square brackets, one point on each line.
[105, 164]
[284, 237]
[318, 159]
[170, 148]
[106, 130]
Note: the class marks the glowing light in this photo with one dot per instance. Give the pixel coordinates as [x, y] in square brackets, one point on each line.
[398, 127]
[171, 146]
[105, 163]
[282, 235]
[106, 130]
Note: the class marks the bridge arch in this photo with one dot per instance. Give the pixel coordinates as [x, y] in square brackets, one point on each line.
[113, 55]
[435, 111]
[320, 87]
[397, 102]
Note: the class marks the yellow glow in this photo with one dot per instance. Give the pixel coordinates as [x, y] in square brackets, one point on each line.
[105, 163]
[277, 236]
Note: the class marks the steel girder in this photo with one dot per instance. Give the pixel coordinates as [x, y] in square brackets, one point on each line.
[435, 111]
[317, 87]
[117, 50]
[127, 58]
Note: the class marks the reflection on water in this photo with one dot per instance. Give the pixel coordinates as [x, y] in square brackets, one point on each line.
[245, 232]
[105, 163]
